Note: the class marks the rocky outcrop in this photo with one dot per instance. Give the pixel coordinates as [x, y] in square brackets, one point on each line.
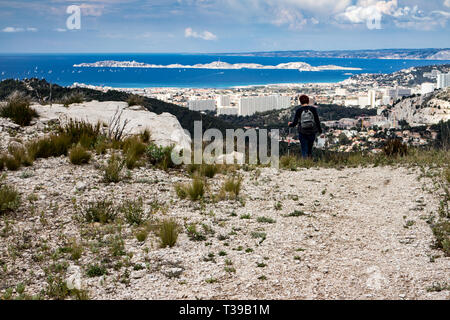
[423, 110]
[164, 128]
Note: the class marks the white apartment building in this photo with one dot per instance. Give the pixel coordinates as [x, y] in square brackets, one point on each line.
[231, 111]
[202, 105]
[249, 106]
[223, 101]
[443, 80]
[426, 87]
[371, 98]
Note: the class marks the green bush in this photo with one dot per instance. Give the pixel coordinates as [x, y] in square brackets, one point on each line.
[51, 146]
[12, 163]
[18, 109]
[133, 149]
[441, 232]
[9, 199]
[113, 170]
[81, 132]
[78, 155]
[233, 185]
[95, 270]
[133, 212]
[160, 157]
[168, 233]
[195, 190]
[102, 211]
[20, 154]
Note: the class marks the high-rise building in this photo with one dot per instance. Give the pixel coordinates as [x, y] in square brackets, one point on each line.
[426, 87]
[443, 80]
[371, 97]
[249, 106]
[202, 105]
[223, 101]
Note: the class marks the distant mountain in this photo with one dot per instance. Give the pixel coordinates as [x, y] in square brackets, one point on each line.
[406, 77]
[414, 54]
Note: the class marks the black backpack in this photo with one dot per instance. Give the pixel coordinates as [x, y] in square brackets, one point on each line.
[307, 121]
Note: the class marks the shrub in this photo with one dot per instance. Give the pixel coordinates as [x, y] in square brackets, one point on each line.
[95, 270]
[141, 235]
[2, 161]
[51, 146]
[180, 190]
[18, 109]
[168, 233]
[441, 232]
[9, 199]
[135, 100]
[20, 154]
[102, 211]
[78, 155]
[394, 148]
[160, 156]
[133, 211]
[74, 97]
[233, 185]
[134, 149]
[113, 170]
[209, 170]
[288, 162]
[12, 163]
[194, 190]
[101, 145]
[265, 220]
[81, 132]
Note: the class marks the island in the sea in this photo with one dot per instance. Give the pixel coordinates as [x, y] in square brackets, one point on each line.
[301, 66]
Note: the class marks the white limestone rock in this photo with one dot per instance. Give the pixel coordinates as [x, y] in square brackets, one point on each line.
[165, 128]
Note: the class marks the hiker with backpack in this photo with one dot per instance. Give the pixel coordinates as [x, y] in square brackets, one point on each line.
[309, 125]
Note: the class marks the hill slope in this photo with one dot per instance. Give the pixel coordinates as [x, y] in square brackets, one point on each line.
[39, 90]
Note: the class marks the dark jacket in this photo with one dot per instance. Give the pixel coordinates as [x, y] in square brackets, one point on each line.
[298, 115]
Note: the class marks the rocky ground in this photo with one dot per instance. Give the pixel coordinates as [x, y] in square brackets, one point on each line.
[354, 233]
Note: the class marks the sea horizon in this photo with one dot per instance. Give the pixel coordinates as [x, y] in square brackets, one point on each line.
[59, 68]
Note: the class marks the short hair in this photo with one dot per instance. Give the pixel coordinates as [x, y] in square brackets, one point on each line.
[304, 99]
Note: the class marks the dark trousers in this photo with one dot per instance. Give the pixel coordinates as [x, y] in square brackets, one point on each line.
[307, 142]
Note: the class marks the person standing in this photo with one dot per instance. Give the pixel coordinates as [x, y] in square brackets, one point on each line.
[307, 119]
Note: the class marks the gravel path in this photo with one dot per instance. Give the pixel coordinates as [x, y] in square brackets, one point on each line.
[358, 234]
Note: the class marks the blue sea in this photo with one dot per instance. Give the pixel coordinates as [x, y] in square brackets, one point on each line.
[58, 68]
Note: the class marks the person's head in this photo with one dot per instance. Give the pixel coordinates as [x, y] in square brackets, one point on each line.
[304, 100]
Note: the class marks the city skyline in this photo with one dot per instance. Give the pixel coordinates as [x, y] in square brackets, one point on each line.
[221, 26]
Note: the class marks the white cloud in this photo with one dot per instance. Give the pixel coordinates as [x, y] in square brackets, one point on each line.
[14, 29]
[368, 9]
[447, 3]
[205, 35]
[60, 30]
[402, 17]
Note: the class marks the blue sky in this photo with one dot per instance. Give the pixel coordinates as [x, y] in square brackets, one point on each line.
[223, 25]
